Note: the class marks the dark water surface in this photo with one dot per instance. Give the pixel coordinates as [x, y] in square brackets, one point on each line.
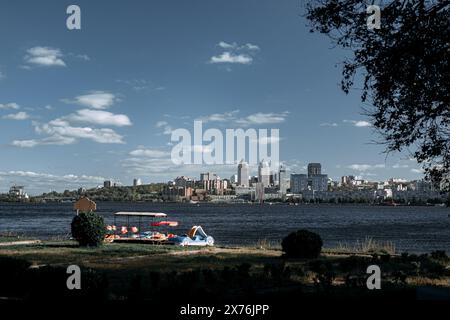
[413, 229]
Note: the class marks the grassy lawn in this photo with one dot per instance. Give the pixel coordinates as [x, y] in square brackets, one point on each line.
[131, 267]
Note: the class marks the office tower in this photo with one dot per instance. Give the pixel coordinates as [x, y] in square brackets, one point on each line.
[318, 182]
[314, 168]
[282, 180]
[243, 174]
[264, 173]
[299, 183]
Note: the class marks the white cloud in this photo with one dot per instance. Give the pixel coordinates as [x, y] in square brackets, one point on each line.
[234, 53]
[226, 45]
[250, 46]
[53, 140]
[37, 182]
[60, 132]
[228, 57]
[365, 167]
[2, 75]
[12, 105]
[400, 166]
[149, 153]
[417, 170]
[104, 135]
[328, 124]
[235, 46]
[17, 116]
[263, 118]
[44, 56]
[84, 57]
[219, 117]
[167, 129]
[359, 123]
[267, 140]
[99, 117]
[95, 100]
[160, 124]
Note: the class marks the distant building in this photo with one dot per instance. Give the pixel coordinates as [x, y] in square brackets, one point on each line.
[137, 182]
[264, 173]
[177, 193]
[234, 179]
[243, 174]
[318, 182]
[183, 181]
[347, 180]
[314, 169]
[18, 192]
[313, 181]
[299, 182]
[259, 192]
[208, 176]
[253, 181]
[282, 181]
[107, 184]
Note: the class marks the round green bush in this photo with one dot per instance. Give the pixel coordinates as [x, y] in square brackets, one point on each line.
[88, 228]
[302, 244]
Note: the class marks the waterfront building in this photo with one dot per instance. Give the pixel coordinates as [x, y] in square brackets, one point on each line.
[299, 182]
[184, 181]
[318, 182]
[347, 180]
[243, 174]
[137, 182]
[259, 192]
[314, 169]
[264, 173]
[282, 181]
[107, 184]
[18, 192]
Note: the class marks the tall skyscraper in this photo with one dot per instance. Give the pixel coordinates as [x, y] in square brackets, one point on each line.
[282, 180]
[243, 174]
[264, 173]
[314, 168]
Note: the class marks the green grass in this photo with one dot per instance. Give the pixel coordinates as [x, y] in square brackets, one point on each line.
[123, 264]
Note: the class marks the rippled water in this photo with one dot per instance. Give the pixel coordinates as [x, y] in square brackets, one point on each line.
[413, 229]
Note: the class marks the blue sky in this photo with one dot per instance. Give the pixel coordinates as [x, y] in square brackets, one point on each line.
[80, 106]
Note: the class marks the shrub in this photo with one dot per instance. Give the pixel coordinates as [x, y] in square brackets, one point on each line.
[439, 255]
[88, 229]
[302, 244]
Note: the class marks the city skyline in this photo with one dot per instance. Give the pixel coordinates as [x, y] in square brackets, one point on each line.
[80, 107]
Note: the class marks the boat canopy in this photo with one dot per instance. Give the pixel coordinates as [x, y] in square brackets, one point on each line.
[141, 214]
[165, 223]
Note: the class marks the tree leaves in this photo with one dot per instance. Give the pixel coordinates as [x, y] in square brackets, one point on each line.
[405, 67]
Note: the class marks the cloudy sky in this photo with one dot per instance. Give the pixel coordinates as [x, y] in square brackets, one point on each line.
[78, 107]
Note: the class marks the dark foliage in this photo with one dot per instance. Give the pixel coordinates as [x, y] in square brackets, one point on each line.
[302, 244]
[88, 229]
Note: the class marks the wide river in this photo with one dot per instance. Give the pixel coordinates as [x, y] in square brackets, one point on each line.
[412, 229]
